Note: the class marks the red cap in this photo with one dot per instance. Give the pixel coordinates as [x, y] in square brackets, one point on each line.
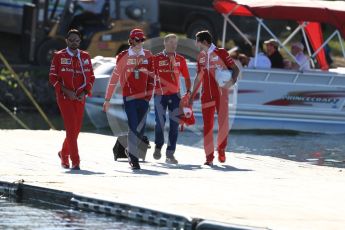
[137, 34]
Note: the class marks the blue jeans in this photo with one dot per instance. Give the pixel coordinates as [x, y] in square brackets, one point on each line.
[136, 111]
[162, 102]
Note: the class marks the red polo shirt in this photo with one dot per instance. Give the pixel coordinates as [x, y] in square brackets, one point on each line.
[168, 69]
[209, 62]
[140, 86]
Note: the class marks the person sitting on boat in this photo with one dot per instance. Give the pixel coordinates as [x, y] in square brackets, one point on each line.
[235, 55]
[134, 70]
[214, 97]
[169, 66]
[260, 61]
[273, 53]
[302, 59]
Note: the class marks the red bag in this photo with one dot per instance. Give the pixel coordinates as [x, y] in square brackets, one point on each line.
[186, 111]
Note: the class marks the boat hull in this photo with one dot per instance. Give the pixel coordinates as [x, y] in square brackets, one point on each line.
[265, 100]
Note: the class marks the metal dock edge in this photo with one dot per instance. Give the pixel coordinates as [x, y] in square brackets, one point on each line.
[50, 197]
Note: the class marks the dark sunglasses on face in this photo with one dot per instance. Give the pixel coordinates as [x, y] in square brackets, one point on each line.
[74, 40]
[139, 39]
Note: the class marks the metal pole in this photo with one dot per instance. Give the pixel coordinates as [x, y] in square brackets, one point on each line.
[13, 116]
[27, 92]
[325, 42]
[225, 24]
[238, 30]
[275, 37]
[257, 42]
[224, 31]
[294, 33]
[308, 48]
[341, 43]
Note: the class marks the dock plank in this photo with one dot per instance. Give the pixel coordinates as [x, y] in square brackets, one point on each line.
[248, 189]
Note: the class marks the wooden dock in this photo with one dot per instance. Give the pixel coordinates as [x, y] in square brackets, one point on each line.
[248, 189]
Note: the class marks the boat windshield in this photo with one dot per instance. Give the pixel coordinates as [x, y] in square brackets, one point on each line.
[104, 69]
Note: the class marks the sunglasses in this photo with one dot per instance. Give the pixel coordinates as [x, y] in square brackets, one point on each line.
[139, 39]
[74, 40]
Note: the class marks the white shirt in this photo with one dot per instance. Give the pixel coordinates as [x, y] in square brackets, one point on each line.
[132, 53]
[262, 62]
[209, 51]
[302, 59]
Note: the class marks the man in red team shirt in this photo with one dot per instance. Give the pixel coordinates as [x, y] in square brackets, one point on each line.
[168, 67]
[134, 70]
[214, 96]
[71, 74]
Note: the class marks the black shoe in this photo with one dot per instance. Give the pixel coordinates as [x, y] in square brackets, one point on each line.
[171, 160]
[209, 163]
[75, 167]
[134, 165]
[157, 154]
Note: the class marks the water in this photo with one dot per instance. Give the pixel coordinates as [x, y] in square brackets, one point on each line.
[320, 149]
[23, 217]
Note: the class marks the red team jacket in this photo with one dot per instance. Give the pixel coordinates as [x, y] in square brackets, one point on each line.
[74, 73]
[168, 71]
[135, 74]
[209, 62]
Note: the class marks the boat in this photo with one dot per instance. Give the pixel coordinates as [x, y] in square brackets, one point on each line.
[269, 99]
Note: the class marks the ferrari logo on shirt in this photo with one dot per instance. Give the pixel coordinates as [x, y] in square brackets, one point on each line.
[163, 63]
[65, 61]
[202, 60]
[131, 62]
[215, 58]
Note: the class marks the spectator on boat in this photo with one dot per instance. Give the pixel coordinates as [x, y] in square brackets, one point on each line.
[260, 61]
[235, 55]
[214, 98]
[134, 71]
[169, 66]
[72, 76]
[302, 60]
[274, 54]
[243, 59]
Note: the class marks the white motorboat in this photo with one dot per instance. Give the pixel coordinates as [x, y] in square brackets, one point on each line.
[267, 99]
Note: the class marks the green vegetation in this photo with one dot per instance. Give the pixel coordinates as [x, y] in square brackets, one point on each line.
[5, 76]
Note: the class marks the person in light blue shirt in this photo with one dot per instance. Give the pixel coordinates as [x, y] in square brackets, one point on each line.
[262, 61]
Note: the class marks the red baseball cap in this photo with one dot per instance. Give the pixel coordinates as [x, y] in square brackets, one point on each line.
[137, 34]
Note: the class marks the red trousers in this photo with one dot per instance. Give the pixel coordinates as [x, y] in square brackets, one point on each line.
[72, 114]
[219, 104]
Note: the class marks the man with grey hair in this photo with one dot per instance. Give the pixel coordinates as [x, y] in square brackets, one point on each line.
[302, 60]
[169, 66]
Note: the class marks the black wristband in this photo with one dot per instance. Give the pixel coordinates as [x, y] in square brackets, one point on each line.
[107, 99]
